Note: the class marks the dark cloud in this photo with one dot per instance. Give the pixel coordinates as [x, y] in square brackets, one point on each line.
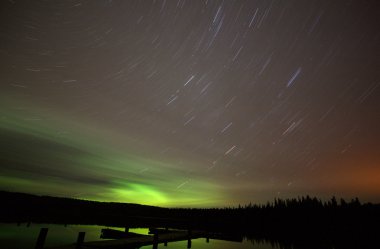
[28, 155]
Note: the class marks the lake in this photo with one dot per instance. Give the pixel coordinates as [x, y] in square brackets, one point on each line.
[13, 236]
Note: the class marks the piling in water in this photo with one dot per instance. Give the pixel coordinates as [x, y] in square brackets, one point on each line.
[80, 240]
[41, 238]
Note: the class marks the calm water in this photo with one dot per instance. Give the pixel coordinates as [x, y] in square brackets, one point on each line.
[23, 237]
[213, 244]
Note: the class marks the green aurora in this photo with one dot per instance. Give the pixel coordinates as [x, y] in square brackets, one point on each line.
[39, 155]
[190, 103]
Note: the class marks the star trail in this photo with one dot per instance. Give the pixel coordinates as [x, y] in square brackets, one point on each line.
[190, 103]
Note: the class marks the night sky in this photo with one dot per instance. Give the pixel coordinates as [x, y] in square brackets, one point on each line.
[190, 103]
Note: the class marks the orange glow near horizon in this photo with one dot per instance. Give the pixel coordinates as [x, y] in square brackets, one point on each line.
[356, 180]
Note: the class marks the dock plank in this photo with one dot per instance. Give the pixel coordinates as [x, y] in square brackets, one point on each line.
[136, 242]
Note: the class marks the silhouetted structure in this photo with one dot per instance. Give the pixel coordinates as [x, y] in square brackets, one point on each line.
[298, 219]
[41, 238]
[80, 240]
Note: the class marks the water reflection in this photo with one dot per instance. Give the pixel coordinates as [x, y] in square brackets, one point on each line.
[213, 244]
[13, 236]
[24, 236]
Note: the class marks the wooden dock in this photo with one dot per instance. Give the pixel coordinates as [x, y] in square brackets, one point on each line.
[139, 240]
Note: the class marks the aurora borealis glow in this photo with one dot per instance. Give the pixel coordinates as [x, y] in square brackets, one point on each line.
[190, 103]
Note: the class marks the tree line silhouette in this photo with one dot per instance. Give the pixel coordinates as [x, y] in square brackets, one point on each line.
[298, 219]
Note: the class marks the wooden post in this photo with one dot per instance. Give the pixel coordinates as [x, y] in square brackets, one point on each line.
[155, 240]
[80, 240]
[189, 238]
[41, 238]
[165, 242]
[189, 243]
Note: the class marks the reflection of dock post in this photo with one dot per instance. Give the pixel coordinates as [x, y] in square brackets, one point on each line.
[189, 238]
[155, 240]
[165, 242]
[80, 240]
[207, 240]
[126, 229]
[189, 243]
[41, 238]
